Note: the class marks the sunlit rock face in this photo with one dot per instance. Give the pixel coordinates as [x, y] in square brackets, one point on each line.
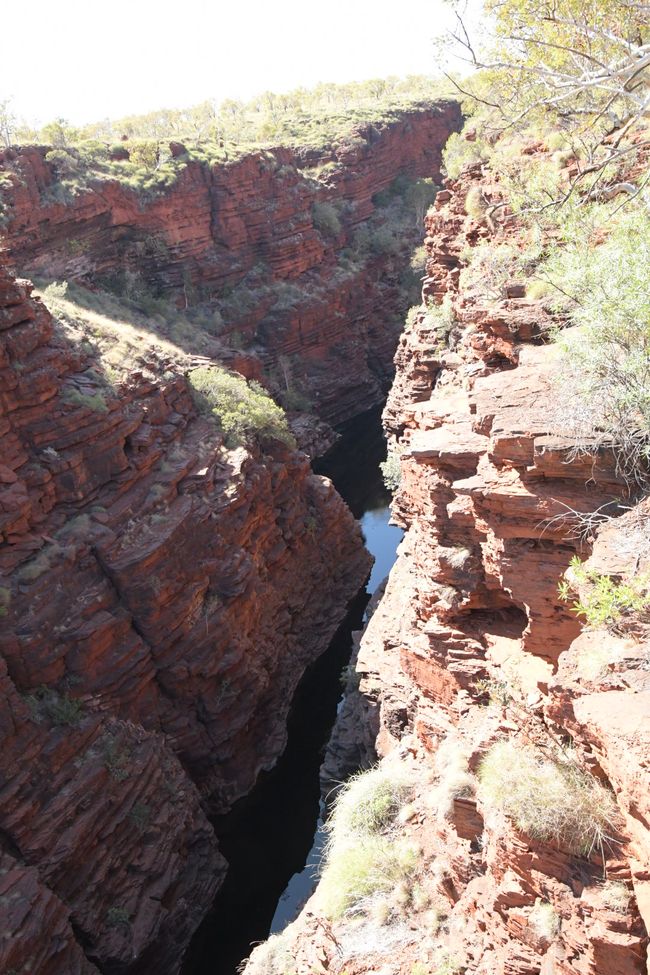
[472, 644]
[246, 237]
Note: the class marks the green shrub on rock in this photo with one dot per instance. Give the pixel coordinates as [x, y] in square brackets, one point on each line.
[367, 855]
[326, 219]
[244, 410]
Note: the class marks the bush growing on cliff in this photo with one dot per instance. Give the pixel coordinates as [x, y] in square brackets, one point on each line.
[544, 920]
[460, 152]
[551, 799]
[391, 471]
[244, 410]
[601, 279]
[439, 319]
[61, 709]
[366, 854]
[475, 205]
[602, 601]
[326, 219]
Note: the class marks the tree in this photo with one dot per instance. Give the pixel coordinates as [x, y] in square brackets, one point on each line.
[582, 66]
[59, 133]
[420, 195]
[7, 122]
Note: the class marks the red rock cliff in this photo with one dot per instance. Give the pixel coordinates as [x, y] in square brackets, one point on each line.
[160, 597]
[339, 318]
[471, 644]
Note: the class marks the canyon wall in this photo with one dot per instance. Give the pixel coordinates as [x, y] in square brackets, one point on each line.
[161, 595]
[471, 645]
[244, 236]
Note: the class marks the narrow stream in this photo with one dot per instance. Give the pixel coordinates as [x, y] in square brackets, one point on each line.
[272, 838]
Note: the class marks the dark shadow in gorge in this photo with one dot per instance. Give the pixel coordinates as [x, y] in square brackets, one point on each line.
[268, 835]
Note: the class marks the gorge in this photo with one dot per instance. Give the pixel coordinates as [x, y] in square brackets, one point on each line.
[183, 564]
[163, 589]
[505, 828]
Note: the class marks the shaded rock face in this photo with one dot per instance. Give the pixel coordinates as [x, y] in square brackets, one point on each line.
[471, 611]
[338, 321]
[160, 598]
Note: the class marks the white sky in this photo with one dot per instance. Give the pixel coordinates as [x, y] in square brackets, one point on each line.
[84, 61]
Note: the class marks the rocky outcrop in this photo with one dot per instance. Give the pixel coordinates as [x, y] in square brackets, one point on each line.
[161, 596]
[472, 645]
[244, 236]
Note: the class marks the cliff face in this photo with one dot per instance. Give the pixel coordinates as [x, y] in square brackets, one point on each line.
[161, 596]
[246, 234]
[471, 645]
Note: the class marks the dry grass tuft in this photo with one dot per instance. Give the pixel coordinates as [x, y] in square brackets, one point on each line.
[366, 853]
[551, 800]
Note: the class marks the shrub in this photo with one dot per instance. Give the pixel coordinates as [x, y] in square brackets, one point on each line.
[373, 865]
[384, 241]
[603, 602]
[551, 800]
[55, 292]
[439, 319]
[475, 205]
[140, 815]
[326, 219]
[538, 289]
[616, 896]
[117, 759]
[419, 196]
[446, 964]
[490, 269]
[411, 316]
[459, 152]
[272, 957]
[604, 287]
[65, 162]
[41, 563]
[419, 259]
[365, 854]
[391, 470]
[90, 401]
[544, 920]
[295, 400]
[368, 804]
[59, 708]
[244, 410]
[118, 917]
[454, 778]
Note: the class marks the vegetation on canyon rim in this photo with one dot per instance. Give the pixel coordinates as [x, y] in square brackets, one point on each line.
[244, 410]
[572, 78]
[305, 116]
[136, 150]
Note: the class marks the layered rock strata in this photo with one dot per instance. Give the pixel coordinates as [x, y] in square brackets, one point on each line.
[244, 236]
[471, 645]
[160, 597]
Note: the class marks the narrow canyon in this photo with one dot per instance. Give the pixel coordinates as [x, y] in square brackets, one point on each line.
[248, 724]
[163, 590]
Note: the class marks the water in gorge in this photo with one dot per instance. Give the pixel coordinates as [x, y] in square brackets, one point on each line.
[272, 838]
